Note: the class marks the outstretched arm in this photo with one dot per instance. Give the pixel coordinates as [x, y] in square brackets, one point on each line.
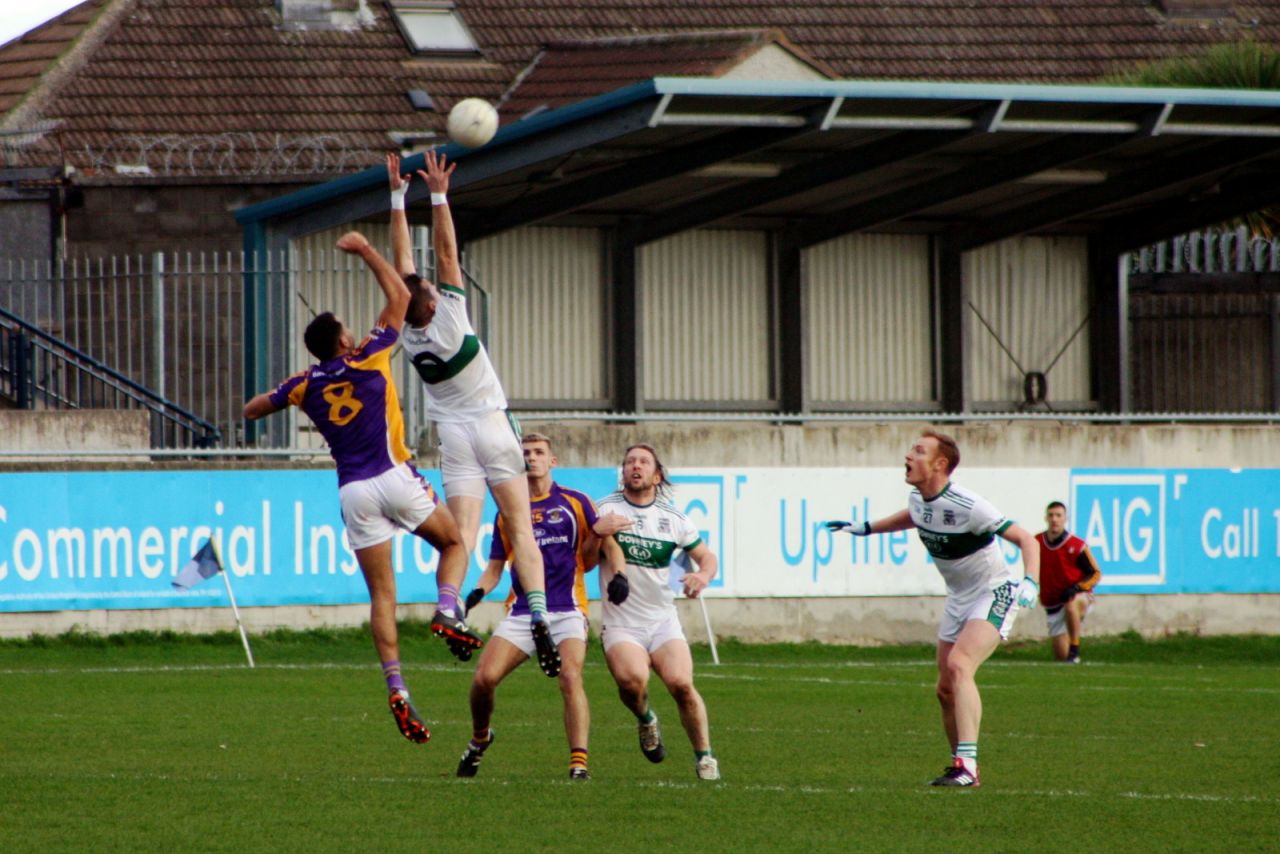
[393, 287]
[260, 406]
[443, 239]
[401, 243]
[899, 521]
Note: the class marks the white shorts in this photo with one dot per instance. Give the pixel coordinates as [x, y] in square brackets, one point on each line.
[565, 625]
[473, 453]
[1057, 619]
[996, 606]
[650, 638]
[372, 509]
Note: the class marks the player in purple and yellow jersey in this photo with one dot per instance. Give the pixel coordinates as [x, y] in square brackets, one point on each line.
[351, 397]
[562, 521]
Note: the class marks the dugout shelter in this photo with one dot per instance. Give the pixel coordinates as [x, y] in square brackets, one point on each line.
[809, 247]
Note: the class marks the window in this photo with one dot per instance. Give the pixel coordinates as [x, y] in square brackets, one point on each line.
[433, 27]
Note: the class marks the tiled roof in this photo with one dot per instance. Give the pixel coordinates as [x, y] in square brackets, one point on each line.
[207, 87]
[570, 71]
[990, 40]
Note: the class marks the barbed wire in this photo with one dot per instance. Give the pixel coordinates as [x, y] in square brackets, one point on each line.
[240, 153]
[246, 153]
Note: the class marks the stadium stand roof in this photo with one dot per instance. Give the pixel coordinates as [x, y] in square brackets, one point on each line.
[817, 159]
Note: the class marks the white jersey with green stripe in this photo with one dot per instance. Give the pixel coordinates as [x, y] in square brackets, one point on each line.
[658, 536]
[460, 380]
[958, 527]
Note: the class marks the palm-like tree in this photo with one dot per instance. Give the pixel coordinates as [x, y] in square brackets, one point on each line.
[1233, 65]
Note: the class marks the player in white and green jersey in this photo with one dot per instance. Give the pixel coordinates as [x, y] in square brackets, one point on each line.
[959, 527]
[644, 630]
[479, 442]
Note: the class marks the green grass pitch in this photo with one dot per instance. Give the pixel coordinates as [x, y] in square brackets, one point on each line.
[167, 743]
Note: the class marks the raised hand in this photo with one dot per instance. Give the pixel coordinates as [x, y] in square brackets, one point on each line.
[437, 172]
[399, 183]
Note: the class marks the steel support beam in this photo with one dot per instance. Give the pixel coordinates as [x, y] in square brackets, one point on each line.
[793, 335]
[951, 320]
[625, 302]
[1202, 160]
[893, 206]
[794, 181]
[369, 197]
[1156, 222]
[1109, 327]
[662, 165]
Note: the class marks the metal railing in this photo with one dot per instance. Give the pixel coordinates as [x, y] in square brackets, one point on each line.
[1209, 252]
[173, 323]
[37, 371]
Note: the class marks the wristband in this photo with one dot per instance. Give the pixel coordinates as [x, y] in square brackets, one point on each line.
[438, 199]
[397, 197]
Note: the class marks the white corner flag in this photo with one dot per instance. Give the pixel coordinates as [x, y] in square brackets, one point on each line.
[205, 564]
[676, 582]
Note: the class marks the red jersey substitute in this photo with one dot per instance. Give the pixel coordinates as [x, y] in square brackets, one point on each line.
[1063, 564]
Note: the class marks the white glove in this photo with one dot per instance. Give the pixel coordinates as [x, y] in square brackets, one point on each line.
[858, 529]
[1028, 592]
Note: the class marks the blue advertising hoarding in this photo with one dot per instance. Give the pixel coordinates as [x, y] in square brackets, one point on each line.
[90, 540]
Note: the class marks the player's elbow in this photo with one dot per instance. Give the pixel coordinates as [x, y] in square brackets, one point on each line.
[256, 408]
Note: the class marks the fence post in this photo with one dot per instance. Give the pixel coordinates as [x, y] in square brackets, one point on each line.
[157, 322]
[1274, 305]
[20, 358]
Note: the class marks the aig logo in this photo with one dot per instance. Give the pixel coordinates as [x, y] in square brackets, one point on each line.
[1122, 518]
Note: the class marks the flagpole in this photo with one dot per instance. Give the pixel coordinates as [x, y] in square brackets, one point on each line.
[226, 579]
[711, 637]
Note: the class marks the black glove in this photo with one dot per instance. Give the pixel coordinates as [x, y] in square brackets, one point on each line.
[474, 597]
[1070, 592]
[858, 529]
[619, 589]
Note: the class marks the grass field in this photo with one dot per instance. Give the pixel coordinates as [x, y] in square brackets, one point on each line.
[166, 743]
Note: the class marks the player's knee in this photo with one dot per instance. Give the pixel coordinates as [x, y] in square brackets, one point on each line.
[570, 679]
[682, 691]
[945, 692]
[630, 685]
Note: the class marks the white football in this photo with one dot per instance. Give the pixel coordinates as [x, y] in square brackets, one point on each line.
[472, 122]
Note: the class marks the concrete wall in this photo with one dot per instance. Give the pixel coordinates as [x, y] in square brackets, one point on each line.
[126, 220]
[1011, 444]
[70, 431]
[867, 621]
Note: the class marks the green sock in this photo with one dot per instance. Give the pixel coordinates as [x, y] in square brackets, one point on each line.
[648, 717]
[698, 754]
[537, 604]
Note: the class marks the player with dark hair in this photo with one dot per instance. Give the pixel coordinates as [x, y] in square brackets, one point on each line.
[351, 397]
[1068, 575]
[563, 519]
[644, 630]
[959, 527]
